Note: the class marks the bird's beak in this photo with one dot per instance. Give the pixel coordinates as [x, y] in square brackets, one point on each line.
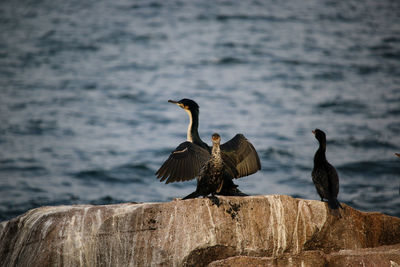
[313, 131]
[177, 103]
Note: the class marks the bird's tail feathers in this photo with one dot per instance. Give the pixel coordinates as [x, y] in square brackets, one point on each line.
[333, 203]
[192, 195]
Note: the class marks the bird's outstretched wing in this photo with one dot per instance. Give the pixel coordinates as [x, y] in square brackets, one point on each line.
[184, 163]
[241, 154]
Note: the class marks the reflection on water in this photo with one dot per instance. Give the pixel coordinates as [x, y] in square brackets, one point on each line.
[84, 89]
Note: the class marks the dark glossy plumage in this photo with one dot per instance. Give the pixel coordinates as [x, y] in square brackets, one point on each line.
[241, 153]
[324, 175]
[186, 161]
[211, 177]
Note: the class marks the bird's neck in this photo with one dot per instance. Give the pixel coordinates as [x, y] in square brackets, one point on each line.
[320, 154]
[192, 131]
[216, 154]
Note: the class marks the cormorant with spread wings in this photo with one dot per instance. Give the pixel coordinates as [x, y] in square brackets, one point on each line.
[187, 160]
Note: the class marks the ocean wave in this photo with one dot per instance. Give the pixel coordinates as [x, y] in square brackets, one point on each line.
[308, 63]
[338, 17]
[144, 5]
[386, 50]
[220, 61]
[99, 175]
[130, 97]
[331, 75]
[365, 69]
[275, 153]
[134, 66]
[106, 200]
[121, 37]
[229, 61]
[391, 39]
[34, 127]
[34, 169]
[56, 101]
[247, 17]
[125, 174]
[371, 168]
[52, 43]
[394, 127]
[343, 106]
[364, 143]
[19, 168]
[297, 182]
[32, 189]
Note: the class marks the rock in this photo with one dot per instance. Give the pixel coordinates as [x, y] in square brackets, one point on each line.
[379, 256]
[242, 231]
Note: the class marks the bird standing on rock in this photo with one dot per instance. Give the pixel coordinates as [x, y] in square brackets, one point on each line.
[187, 160]
[211, 177]
[324, 175]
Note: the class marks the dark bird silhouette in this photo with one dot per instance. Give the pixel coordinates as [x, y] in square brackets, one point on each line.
[324, 175]
[211, 177]
[187, 160]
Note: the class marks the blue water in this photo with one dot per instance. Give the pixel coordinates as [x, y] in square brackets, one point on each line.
[84, 85]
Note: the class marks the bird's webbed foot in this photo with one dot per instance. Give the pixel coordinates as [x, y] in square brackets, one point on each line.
[214, 200]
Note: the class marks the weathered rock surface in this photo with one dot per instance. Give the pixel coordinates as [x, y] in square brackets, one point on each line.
[379, 256]
[243, 231]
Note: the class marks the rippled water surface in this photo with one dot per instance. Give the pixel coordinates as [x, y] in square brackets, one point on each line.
[84, 88]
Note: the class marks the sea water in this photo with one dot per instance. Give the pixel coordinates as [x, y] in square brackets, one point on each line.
[84, 117]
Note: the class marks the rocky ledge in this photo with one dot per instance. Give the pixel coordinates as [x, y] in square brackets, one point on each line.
[268, 230]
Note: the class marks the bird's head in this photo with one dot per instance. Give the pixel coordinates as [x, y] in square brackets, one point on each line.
[186, 104]
[319, 135]
[215, 138]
